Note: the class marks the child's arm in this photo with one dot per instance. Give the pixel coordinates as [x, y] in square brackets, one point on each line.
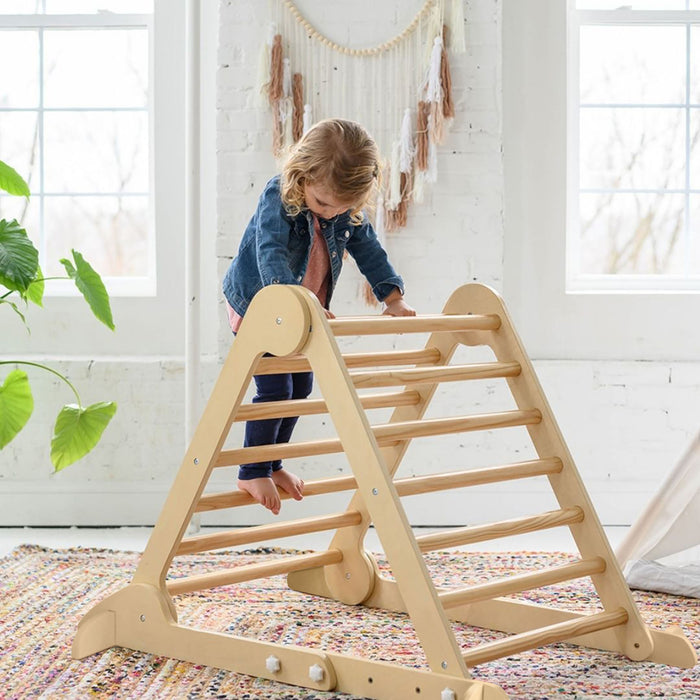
[396, 306]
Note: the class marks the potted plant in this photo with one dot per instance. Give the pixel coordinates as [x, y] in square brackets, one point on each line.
[78, 428]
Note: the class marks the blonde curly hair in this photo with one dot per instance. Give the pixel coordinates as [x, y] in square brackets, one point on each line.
[342, 156]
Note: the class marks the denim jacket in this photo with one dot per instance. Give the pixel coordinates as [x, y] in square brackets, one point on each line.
[275, 250]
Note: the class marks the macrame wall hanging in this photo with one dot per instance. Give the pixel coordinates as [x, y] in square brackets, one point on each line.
[400, 91]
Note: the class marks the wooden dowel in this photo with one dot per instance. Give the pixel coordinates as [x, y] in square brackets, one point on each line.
[558, 632]
[386, 435]
[413, 486]
[233, 499]
[374, 325]
[504, 528]
[309, 407]
[250, 572]
[220, 540]
[409, 486]
[522, 582]
[298, 363]
[421, 375]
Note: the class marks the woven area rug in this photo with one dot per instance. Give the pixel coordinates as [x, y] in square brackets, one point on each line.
[44, 593]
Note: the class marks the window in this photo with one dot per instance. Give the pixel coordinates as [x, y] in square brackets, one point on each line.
[74, 120]
[566, 302]
[634, 205]
[120, 199]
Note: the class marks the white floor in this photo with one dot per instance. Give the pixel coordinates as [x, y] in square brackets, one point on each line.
[135, 539]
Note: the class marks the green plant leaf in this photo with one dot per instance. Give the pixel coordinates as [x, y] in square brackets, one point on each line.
[16, 405]
[19, 259]
[15, 308]
[78, 430]
[91, 287]
[11, 181]
[35, 291]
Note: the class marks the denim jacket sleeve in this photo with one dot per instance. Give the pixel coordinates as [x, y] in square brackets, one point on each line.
[372, 260]
[272, 230]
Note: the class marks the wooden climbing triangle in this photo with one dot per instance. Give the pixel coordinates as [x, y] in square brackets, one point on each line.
[288, 323]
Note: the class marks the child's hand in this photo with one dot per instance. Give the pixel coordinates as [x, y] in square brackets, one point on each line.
[398, 307]
[329, 314]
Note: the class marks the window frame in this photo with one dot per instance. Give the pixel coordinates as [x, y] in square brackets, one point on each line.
[148, 317]
[627, 282]
[557, 323]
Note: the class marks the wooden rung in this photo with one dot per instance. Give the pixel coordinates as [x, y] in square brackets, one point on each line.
[234, 499]
[386, 435]
[376, 325]
[558, 632]
[413, 486]
[409, 486]
[504, 528]
[298, 363]
[522, 582]
[309, 407]
[250, 572]
[220, 540]
[423, 375]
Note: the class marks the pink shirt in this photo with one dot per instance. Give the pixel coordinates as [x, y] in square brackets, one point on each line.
[316, 278]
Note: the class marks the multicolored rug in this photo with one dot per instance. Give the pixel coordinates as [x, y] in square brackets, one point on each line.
[44, 593]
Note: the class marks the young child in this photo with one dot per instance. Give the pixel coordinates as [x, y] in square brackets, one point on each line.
[306, 218]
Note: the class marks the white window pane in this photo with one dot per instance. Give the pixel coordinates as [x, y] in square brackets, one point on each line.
[630, 4]
[694, 252]
[96, 152]
[110, 232]
[19, 68]
[695, 63]
[632, 148]
[19, 144]
[633, 65]
[96, 68]
[632, 234]
[695, 149]
[90, 6]
[23, 210]
[20, 7]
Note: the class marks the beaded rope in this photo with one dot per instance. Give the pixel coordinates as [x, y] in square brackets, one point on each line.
[374, 51]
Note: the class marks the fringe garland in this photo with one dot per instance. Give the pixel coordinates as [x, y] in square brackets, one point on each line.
[414, 67]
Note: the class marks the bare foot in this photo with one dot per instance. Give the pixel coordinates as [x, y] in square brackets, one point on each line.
[264, 491]
[290, 483]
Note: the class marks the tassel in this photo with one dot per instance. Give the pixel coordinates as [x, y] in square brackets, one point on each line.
[422, 136]
[458, 43]
[406, 151]
[298, 102]
[277, 133]
[418, 192]
[308, 118]
[431, 172]
[434, 92]
[264, 64]
[276, 71]
[368, 295]
[286, 78]
[433, 29]
[448, 108]
[287, 119]
[394, 178]
[379, 220]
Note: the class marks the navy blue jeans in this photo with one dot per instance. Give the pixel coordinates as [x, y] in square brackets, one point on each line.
[273, 431]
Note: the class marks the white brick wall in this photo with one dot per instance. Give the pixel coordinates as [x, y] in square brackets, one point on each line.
[626, 422]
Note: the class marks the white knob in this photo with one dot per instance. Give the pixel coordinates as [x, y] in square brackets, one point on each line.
[316, 673]
[273, 665]
[448, 694]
